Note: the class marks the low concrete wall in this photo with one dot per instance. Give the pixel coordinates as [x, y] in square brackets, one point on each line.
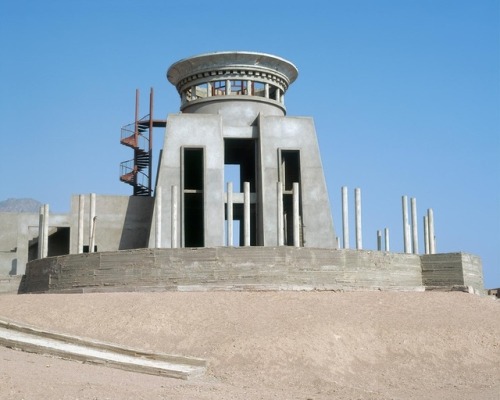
[452, 269]
[223, 268]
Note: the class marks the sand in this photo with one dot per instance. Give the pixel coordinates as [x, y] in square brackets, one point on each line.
[267, 345]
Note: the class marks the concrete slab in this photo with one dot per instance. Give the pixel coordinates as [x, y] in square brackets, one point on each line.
[30, 339]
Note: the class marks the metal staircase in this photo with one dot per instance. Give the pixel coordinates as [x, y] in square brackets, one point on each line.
[138, 135]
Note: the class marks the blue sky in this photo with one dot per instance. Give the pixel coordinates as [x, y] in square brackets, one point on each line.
[405, 95]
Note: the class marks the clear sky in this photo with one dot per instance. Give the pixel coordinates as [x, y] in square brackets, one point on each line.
[405, 95]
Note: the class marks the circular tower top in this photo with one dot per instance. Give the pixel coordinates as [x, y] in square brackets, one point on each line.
[231, 76]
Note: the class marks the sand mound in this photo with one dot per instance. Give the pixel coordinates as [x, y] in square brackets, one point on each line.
[284, 345]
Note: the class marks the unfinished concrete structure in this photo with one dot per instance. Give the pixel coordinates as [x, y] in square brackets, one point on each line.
[194, 229]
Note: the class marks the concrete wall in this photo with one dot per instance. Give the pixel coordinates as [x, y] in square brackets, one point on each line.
[17, 230]
[122, 222]
[252, 268]
[452, 269]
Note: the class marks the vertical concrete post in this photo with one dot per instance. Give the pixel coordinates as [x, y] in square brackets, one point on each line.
[45, 231]
[345, 219]
[209, 89]
[266, 90]
[230, 213]
[296, 217]
[249, 88]
[279, 189]
[379, 240]
[81, 213]
[174, 217]
[228, 87]
[357, 214]
[91, 223]
[426, 234]
[432, 237]
[246, 213]
[406, 226]
[386, 234]
[414, 227]
[40, 232]
[158, 212]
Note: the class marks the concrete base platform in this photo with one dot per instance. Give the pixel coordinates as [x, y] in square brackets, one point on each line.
[30, 339]
[250, 268]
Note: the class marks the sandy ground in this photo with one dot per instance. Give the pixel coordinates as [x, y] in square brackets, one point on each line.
[268, 345]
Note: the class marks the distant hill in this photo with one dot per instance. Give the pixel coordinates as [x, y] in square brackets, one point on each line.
[20, 205]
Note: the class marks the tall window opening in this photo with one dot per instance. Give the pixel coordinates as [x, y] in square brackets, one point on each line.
[289, 174]
[240, 167]
[193, 210]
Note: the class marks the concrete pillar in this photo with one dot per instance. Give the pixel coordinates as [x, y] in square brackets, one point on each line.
[45, 231]
[414, 227]
[246, 213]
[426, 234]
[249, 87]
[432, 237]
[406, 226]
[278, 94]
[379, 240]
[230, 213]
[266, 90]
[81, 213]
[158, 216]
[386, 234]
[174, 218]
[296, 215]
[40, 232]
[345, 219]
[228, 87]
[279, 189]
[357, 214]
[209, 89]
[92, 223]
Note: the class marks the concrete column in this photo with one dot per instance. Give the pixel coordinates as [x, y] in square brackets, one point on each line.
[209, 89]
[246, 213]
[193, 93]
[158, 216]
[279, 189]
[249, 88]
[266, 90]
[174, 218]
[432, 237]
[414, 228]
[40, 231]
[379, 240]
[81, 213]
[228, 87]
[91, 223]
[386, 234]
[357, 213]
[296, 216]
[278, 94]
[406, 226]
[230, 213]
[426, 234]
[345, 219]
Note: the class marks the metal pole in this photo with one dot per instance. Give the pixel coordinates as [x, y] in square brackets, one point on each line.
[246, 213]
[150, 164]
[279, 189]
[379, 240]
[158, 210]
[406, 226]
[345, 219]
[81, 213]
[296, 216]
[414, 228]
[230, 213]
[136, 139]
[432, 238]
[174, 217]
[357, 212]
[45, 230]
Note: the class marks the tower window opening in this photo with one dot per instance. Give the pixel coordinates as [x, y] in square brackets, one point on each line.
[193, 197]
[219, 88]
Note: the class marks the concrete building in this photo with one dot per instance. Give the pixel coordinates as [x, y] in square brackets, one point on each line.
[238, 180]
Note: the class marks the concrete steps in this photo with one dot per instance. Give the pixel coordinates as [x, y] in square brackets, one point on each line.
[30, 339]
